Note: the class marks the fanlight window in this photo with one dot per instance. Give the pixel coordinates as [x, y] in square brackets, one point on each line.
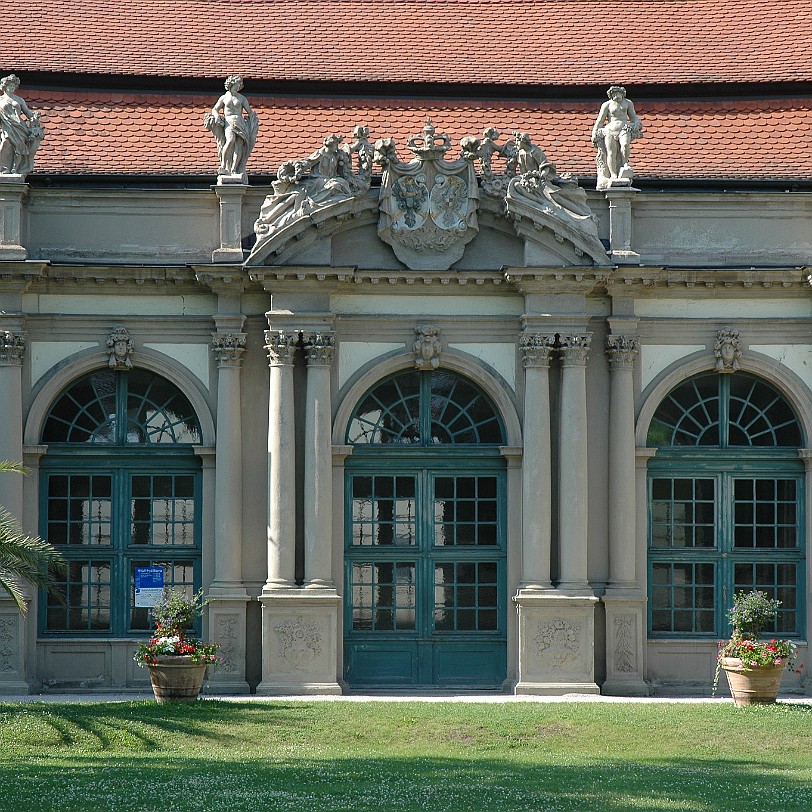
[425, 409]
[736, 410]
[122, 408]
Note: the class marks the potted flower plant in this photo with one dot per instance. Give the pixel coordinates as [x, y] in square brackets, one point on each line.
[176, 663]
[753, 667]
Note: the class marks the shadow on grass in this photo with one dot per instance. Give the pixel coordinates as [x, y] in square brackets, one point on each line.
[407, 784]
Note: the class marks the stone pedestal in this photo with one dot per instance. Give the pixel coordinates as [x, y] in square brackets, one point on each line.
[230, 194]
[625, 631]
[227, 628]
[620, 224]
[299, 642]
[12, 648]
[12, 191]
[556, 644]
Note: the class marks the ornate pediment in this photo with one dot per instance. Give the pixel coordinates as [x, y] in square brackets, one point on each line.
[427, 207]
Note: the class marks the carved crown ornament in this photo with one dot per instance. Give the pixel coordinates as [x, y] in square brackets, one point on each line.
[622, 351]
[428, 204]
[12, 348]
[536, 349]
[228, 348]
[319, 348]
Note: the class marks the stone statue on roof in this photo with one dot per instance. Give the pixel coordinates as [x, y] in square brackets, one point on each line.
[20, 131]
[315, 186]
[234, 132]
[615, 128]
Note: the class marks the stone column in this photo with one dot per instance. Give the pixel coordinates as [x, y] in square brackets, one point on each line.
[227, 595]
[622, 351]
[281, 347]
[620, 224]
[230, 197]
[573, 496]
[12, 192]
[318, 473]
[13, 648]
[536, 465]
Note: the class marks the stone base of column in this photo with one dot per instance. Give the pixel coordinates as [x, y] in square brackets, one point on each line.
[299, 642]
[227, 627]
[556, 643]
[12, 650]
[13, 189]
[625, 631]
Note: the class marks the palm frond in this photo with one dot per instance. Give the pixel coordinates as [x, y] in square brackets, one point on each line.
[14, 467]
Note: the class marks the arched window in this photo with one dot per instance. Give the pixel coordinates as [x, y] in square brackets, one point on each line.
[120, 491]
[425, 535]
[725, 504]
[426, 409]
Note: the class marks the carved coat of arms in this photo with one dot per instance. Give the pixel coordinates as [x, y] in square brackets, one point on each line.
[428, 206]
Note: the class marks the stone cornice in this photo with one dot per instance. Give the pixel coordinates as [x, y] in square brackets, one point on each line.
[549, 281]
[631, 280]
[17, 277]
[222, 280]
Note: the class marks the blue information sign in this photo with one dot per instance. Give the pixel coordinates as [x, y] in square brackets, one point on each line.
[149, 585]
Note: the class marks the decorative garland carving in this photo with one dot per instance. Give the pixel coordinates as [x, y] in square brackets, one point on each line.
[299, 642]
[558, 641]
[226, 636]
[625, 657]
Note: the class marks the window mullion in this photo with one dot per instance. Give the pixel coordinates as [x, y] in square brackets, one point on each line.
[424, 408]
[724, 411]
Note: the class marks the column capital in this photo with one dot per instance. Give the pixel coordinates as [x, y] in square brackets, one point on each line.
[536, 348]
[622, 350]
[319, 348]
[281, 347]
[575, 349]
[229, 348]
[12, 348]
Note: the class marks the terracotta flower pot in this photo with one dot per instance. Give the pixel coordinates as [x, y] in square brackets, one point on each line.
[175, 678]
[753, 685]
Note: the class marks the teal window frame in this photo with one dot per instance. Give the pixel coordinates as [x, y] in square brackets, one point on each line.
[724, 463]
[121, 458]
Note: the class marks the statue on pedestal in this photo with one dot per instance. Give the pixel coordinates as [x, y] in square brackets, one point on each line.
[19, 137]
[615, 128]
[234, 132]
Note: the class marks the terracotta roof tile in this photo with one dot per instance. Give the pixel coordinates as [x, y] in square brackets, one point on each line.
[96, 133]
[554, 42]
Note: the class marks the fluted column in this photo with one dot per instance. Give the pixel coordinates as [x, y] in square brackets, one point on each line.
[229, 348]
[622, 351]
[573, 496]
[12, 348]
[281, 348]
[536, 461]
[318, 461]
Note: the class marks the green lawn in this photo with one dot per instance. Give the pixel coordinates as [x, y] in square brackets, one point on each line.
[399, 757]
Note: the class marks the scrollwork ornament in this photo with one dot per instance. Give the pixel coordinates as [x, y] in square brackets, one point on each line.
[12, 348]
[536, 349]
[622, 351]
[281, 346]
[575, 349]
[229, 348]
[427, 347]
[320, 349]
[558, 640]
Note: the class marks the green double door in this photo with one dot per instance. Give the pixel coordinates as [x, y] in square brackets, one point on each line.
[425, 594]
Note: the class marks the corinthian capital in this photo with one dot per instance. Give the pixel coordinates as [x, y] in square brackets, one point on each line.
[229, 348]
[280, 346]
[536, 349]
[319, 348]
[575, 349]
[12, 347]
[622, 350]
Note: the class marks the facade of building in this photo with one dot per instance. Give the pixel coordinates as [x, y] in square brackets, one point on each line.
[414, 402]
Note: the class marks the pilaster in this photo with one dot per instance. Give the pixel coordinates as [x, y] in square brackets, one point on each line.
[536, 461]
[230, 197]
[12, 192]
[573, 499]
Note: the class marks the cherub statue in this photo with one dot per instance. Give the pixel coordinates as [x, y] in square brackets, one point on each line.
[615, 128]
[19, 137]
[235, 133]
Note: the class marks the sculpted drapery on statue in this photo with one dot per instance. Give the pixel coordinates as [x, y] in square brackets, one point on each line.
[314, 184]
[615, 128]
[20, 130]
[234, 132]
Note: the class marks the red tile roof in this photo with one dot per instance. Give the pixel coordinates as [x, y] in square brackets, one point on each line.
[542, 42]
[102, 132]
